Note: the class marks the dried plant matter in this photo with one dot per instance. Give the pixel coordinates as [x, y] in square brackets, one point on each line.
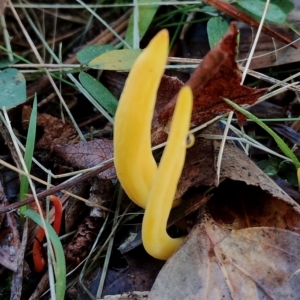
[88, 154]
[9, 237]
[220, 263]
[217, 77]
[83, 240]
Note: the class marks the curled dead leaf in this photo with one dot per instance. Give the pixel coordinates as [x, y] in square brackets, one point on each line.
[217, 77]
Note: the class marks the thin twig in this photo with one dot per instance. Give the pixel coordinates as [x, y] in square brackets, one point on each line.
[56, 189]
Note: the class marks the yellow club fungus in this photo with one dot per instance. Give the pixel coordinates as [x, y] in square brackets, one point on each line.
[147, 185]
[155, 238]
[134, 162]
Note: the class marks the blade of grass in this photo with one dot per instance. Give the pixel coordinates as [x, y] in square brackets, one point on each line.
[30, 142]
[60, 267]
[281, 144]
[140, 21]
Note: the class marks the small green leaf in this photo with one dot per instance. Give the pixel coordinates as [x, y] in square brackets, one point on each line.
[116, 60]
[12, 87]
[146, 14]
[88, 53]
[59, 253]
[4, 63]
[277, 9]
[99, 92]
[216, 28]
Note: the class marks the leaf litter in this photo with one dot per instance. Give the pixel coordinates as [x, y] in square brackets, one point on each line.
[218, 243]
[216, 262]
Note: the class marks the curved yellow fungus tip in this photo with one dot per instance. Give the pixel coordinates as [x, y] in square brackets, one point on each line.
[133, 157]
[155, 238]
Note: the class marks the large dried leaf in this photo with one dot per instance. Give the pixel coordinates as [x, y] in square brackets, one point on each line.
[237, 166]
[249, 251]
[200, 167]
[220, 263]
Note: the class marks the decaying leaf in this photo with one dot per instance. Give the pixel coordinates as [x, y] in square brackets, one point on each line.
[199, 168]
[75, 209]
[237, 166]
[217, 77]
[55, 130]
[248, 249]
[201, 161]
[101, 193]
[217, 262]
[83, 240]
[88, 154]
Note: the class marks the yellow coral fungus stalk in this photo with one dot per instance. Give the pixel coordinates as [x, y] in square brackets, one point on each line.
[155, 238]
[133, 157]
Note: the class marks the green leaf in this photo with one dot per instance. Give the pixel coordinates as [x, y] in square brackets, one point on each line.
[4, 63]
[88, 53]
[277, 10]
[30, 142]
[12, 87]
[216, 28]
[146, 14]
[116, 60]
[99, 92]
[279, 141]
[59, 253]
[287, 171]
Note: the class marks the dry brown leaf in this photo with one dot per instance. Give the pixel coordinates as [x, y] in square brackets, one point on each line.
[220, 263]
[217, 77]
[78, 249]
[56, 132]
[200, 167]
[236, 165]
[88, 154]
[248, 249]
[101, 193]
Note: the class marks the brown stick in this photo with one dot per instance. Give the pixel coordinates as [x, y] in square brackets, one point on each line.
[55, 189]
